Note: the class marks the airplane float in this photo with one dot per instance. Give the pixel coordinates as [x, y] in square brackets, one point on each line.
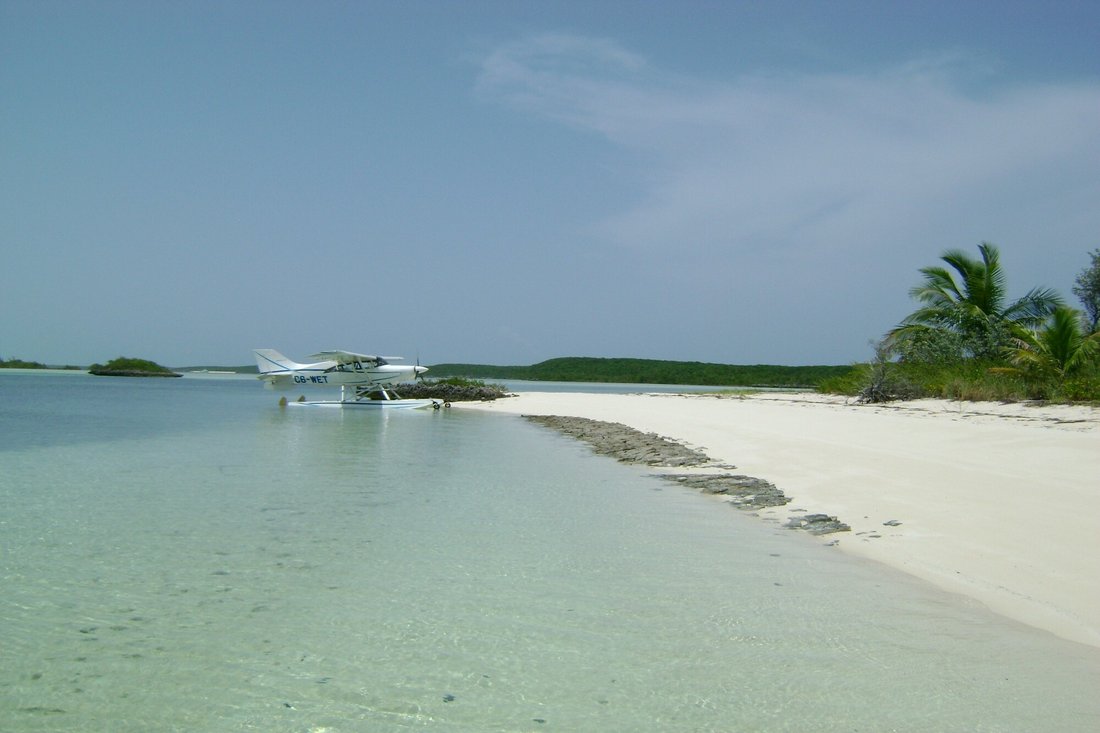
[364, 380]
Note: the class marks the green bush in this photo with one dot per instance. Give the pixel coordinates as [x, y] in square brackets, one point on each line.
[849, 384]
[972, 380]
[21, 364]
[131, 365]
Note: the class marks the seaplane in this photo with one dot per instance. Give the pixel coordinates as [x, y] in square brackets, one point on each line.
[364, 380]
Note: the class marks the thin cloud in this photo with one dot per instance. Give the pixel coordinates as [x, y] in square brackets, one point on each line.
[778, 160]
[546, 72]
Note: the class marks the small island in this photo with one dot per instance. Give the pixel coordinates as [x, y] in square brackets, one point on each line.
[21, 364]
[24, 364]
[128, 367]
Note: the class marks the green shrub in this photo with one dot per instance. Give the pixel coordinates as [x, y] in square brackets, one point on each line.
[849, 384]
[131, 365]
[971, 380]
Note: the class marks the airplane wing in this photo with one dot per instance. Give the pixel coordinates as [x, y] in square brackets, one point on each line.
[349, 357]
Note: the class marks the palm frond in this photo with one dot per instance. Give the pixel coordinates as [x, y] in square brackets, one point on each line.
[1060, 348]
[939, 287]
[1034, 307]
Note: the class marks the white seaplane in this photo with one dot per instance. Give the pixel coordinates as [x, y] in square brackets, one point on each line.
[364, 380]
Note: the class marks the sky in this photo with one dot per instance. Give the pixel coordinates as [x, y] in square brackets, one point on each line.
[508, 182]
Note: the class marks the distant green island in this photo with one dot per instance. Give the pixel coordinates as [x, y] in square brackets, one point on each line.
[651, 371]
[564, 369]
[966, 341]
[21, 364]
[24, 364]
[129, 367]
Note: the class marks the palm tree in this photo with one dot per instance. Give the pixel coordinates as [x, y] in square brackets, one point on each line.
[1060, 349]
[968, 302]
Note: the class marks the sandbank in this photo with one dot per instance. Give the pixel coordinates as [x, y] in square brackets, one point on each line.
[999, 503]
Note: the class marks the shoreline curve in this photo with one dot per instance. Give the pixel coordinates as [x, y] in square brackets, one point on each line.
[995, 502]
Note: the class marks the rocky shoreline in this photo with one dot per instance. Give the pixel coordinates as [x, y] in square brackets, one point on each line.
[131, 373]
[451, 392]
[624, 443]
[628, 445]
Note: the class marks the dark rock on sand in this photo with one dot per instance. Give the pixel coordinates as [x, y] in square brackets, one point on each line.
[744, 492]
[623, 443]
[818, 524]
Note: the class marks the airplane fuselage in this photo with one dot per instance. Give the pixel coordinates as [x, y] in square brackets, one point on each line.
[343, 369]
[343, 375]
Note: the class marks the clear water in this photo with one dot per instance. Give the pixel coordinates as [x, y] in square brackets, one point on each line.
[184, 555]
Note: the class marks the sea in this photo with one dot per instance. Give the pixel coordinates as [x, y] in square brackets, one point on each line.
[187, 555]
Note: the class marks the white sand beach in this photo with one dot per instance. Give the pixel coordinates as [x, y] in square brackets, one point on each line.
[1000, 503]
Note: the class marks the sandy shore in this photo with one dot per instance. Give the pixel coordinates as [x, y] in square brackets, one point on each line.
[1000, 503]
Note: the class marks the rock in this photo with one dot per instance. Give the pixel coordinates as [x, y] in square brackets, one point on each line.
[818, 524]
[744, 492]
[633, 446]
[623, 443]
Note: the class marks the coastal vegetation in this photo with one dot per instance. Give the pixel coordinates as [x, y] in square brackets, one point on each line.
[129, 367]
[1087, 288]
[968, 341]
[452, 389]
[21, 364]
[24, 364]
[651, 371]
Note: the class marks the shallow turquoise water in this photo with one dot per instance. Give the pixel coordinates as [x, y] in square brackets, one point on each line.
[185, 555]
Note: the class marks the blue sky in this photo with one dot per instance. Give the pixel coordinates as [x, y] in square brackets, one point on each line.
[506, 182]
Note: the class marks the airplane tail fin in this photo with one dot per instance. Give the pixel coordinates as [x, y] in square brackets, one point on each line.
[269, 360]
